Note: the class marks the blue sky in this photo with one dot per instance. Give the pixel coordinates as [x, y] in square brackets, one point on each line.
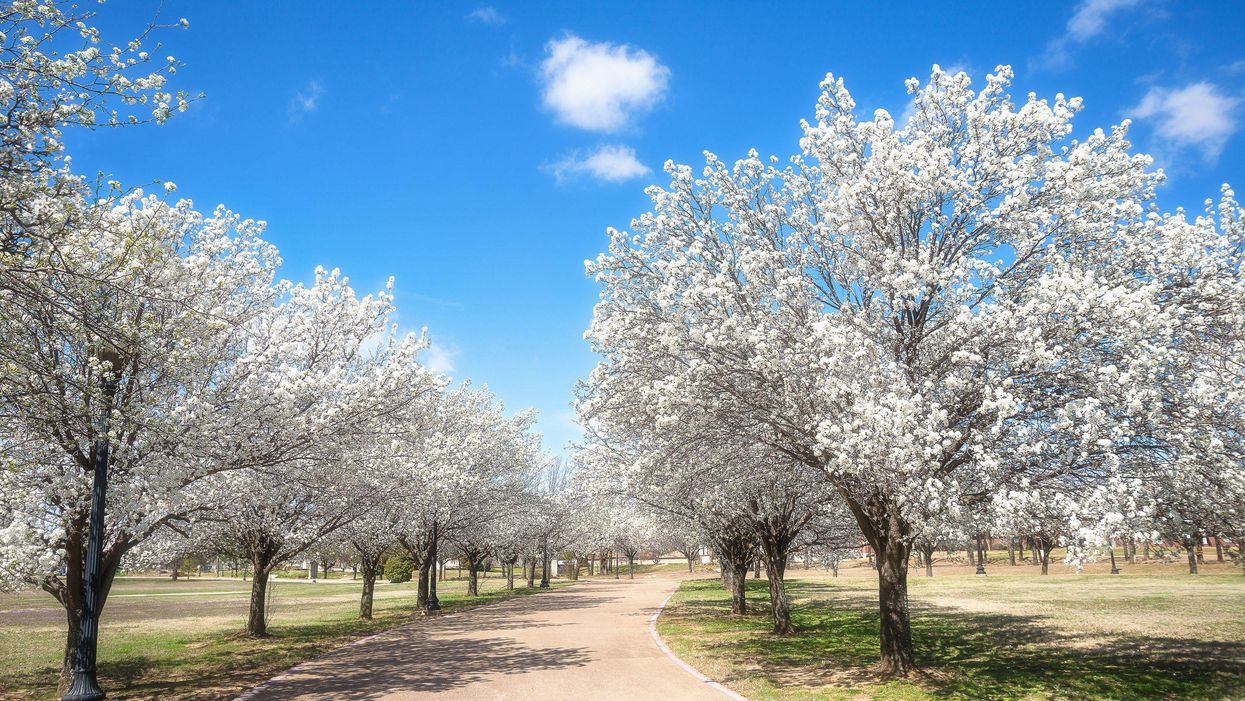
[478, 152]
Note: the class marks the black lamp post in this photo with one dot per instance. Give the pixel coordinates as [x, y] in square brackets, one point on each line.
[433, 604]
[981, 565]
[84, 686]
[544, 566]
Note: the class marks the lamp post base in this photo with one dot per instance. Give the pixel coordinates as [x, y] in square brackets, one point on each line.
[84, 688]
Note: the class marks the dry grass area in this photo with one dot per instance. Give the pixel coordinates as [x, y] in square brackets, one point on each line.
[1155, 632]
[162, 639]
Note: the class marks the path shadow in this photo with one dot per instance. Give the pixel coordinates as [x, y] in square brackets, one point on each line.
[427, 656]
[410, 661]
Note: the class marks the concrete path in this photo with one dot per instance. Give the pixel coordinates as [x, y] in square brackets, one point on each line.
[590, 640]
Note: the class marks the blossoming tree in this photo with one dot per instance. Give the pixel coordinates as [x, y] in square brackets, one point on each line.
[920, 311]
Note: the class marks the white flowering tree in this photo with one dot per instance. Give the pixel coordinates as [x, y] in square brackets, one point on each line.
[58, 72]
[920, 311]
[119, 365]
[448, 469]
[299, 429]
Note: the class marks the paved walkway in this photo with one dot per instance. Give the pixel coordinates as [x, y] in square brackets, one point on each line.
[590, 640]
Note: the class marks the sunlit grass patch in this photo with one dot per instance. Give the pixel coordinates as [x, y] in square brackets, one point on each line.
[1007, 638]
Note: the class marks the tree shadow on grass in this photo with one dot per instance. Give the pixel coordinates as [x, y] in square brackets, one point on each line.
[964, 655]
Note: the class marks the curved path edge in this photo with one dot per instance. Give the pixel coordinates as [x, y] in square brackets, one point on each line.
[652, 629]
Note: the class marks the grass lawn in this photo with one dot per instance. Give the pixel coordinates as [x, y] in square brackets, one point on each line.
[162, 639]
[1154, 635]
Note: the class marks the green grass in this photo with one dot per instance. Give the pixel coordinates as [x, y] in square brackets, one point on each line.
[998, 638]
[190, 645]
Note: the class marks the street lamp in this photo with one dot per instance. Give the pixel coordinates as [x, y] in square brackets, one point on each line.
[981, 565]
[84, 686]
[544, 556]
[433, 604]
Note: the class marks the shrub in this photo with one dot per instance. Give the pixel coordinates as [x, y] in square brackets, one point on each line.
[398, 569]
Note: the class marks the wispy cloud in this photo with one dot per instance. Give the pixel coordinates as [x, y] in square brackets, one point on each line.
[440, 357]
[600, 86]
[610, 163]
[488, 15]
[1091, 18]
[1198, 115]
[306, 100]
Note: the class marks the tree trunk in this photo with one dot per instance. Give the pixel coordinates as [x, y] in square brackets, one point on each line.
[1011, 552]
[887, 534]
[780, 606]
[473, 583]
[734, 546]
[690, 566]
[531, 574]
[71, 647]
[896, 640]
[370, 566]
[929, 559]
[69, 593]
[756, 567]
[1192, 552]
[1045, 545]
[256, 622]
[738, 586]
[630, 566]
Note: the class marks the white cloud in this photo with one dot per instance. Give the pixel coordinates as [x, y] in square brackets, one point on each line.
[610, 163]
[440, 358]
[1197, 115]
[306, 100]
[600, 86]
[1091, 18]
[487, 15]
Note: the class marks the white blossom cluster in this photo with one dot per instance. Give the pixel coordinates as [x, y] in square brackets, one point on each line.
[968, 321]
[244, 416]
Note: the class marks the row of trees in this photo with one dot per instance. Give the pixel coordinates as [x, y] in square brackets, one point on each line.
[971, 322]
[163, 391]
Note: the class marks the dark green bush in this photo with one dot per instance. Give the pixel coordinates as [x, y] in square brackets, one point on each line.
[398, 569]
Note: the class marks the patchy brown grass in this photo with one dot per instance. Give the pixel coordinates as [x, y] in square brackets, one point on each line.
[161, 639]
[1152, 633]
